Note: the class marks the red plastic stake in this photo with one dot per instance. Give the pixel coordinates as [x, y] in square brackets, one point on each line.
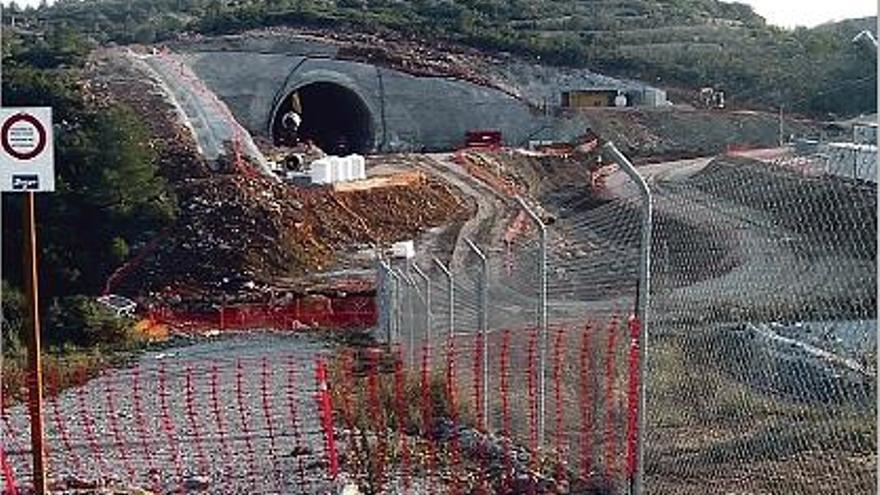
[8, 475]
[557, 389]
[483, 447]
[586, 404]
[378, 417]
[54, 379]
[505, 409]
[110, 393]
[244, 416]
[533, 399]
[87, 423]
[265, 375]
[168, 425]
[8, 471]
[632, 429]
[299, 447]
[140, 422]
[478, 380]
[325, 408]
[451, 393]
[610, 368]
[427, 410]
[218, 416]
[193, 422]
[401, 406]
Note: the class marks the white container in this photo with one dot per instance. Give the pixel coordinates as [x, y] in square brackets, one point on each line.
[360, 167]
[321, 171]
[352, 168]
[341, 169]
[334, 169]
[404, 250]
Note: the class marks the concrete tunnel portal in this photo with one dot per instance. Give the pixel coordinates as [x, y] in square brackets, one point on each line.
[330, 115]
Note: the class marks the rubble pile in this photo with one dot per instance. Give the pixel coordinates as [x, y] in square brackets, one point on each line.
[394, 212]
[235, 230]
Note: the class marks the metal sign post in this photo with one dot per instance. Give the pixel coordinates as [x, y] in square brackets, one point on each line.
[27, 166]
[35, 378]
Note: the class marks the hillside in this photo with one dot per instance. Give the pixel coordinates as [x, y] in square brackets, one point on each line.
[684, 44]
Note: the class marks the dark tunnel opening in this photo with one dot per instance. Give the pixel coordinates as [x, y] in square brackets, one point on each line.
[333, 117]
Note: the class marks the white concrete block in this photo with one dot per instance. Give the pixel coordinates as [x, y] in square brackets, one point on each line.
[404, 249]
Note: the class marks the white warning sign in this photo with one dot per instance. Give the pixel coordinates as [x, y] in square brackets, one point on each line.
[27, 155]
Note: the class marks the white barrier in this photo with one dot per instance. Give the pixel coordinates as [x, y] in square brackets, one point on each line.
[335, 169]
[320, 171]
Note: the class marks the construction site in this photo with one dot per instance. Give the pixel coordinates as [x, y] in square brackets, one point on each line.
[448, 236]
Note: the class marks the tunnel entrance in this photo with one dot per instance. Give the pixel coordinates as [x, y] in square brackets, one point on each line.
[332, 116]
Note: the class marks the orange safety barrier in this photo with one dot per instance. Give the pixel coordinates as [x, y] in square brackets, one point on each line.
[340, 313]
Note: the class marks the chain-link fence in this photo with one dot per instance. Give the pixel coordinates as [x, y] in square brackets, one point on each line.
[761, 368]
[762, 362]
[535, 315]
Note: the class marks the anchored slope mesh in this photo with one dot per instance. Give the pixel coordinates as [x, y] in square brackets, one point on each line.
[762, 356]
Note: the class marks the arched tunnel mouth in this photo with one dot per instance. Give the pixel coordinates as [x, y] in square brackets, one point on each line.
[334, 117]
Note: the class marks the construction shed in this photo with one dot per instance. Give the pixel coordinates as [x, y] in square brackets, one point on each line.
[587, 98]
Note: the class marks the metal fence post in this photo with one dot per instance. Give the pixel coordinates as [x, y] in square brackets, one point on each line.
[427, 300]
[643, 295]
[542, 321]
[398, 306]
[483, 323]
[451, 317]
[410, 285]
[384, 293]
[394, 310]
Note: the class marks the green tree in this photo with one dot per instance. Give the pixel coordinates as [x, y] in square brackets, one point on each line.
[108, 188]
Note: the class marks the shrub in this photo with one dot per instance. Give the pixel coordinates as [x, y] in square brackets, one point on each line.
[84, 322]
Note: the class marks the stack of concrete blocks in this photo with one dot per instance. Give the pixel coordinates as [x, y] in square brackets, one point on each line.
[335, 169]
